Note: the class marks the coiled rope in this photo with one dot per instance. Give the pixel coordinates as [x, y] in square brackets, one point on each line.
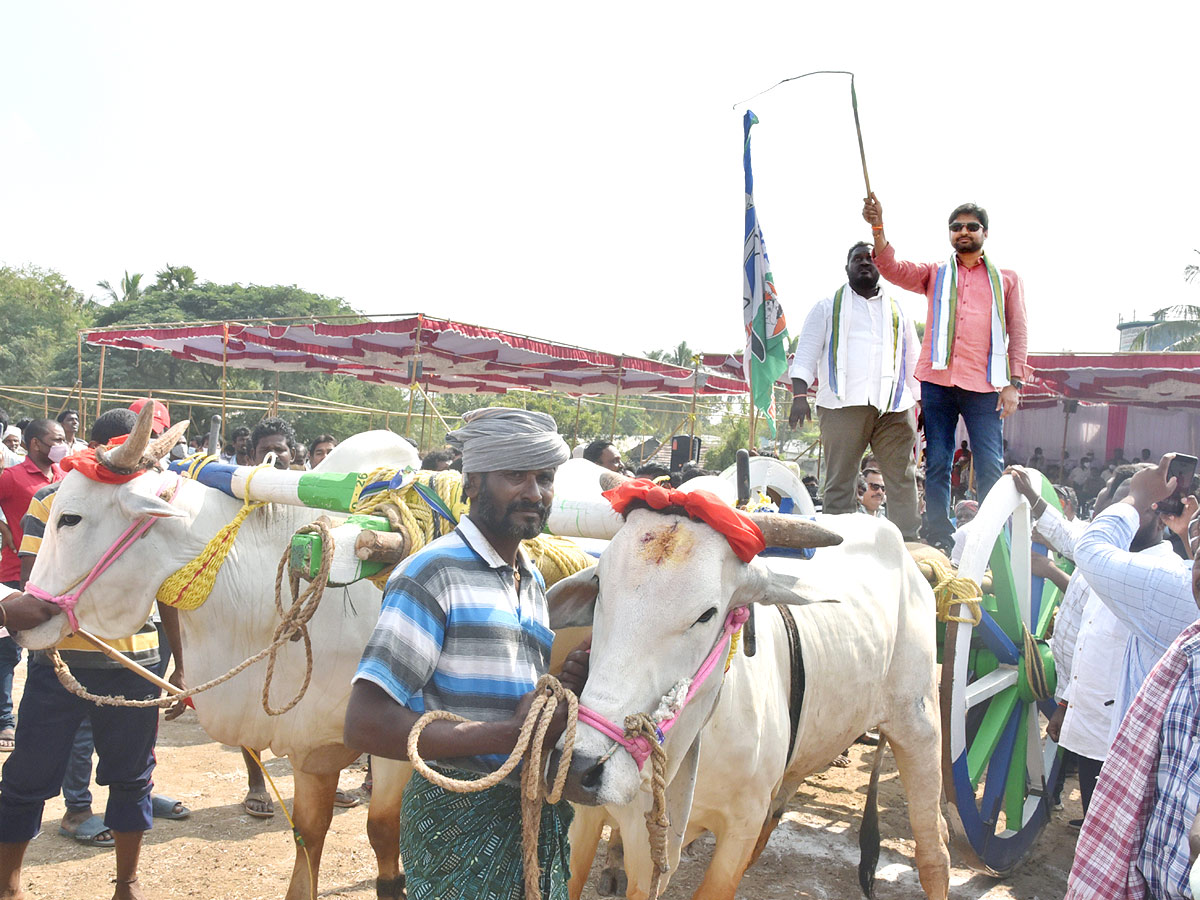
[1035, 668]
[950, 589]
[530, 749]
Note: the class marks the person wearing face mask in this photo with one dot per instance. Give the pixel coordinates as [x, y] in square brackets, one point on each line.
[46, 446]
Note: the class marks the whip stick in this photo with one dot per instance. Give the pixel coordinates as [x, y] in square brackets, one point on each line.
[128, 663]
[853, 103]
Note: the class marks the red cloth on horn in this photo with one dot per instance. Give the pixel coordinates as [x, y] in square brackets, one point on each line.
[743, 535]
[85, 463]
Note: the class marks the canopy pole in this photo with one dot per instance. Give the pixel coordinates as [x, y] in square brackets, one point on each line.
[1062, 460]
[413, 380]
[753, 422]
[692, 414]
[79, 380]
[617, 397]
[387, 420]
[100, 381]
[275, 397]
[224, 382]
[424, 415]
[575, 430]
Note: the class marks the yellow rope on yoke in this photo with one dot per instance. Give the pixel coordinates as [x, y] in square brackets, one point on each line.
[950, 589]
[555, 557]
[190, 586]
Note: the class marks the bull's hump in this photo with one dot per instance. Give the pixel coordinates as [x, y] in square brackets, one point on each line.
[666, 545]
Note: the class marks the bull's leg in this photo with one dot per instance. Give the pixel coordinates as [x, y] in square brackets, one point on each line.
[312, 814]
[584, 836]
[916, 743]
[612, 881]
[729, 861]
[383, 824]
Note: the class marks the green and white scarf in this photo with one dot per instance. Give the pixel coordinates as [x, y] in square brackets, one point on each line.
[945, 313]
[893, 358]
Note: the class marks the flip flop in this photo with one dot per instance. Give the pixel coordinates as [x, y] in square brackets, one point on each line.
[346, 800]
[841, 761]
[261, 797]
[88, 832]
[166, 808]
[8, 739]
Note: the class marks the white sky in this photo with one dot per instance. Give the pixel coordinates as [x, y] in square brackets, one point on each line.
[573, 171]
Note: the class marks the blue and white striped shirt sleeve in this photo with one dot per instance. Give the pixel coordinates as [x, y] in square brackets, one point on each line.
[1151, 595]
[404, 649]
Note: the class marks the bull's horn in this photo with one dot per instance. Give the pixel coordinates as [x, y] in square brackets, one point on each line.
[126, 458]
[162, 445]
[795, 532]
[610, 480]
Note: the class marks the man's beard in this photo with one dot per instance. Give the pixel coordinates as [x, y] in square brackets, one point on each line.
[502, 522]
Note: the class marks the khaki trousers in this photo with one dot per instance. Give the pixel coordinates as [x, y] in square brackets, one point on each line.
[846, 434]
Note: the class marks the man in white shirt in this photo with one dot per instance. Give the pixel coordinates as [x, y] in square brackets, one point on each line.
[862, 350]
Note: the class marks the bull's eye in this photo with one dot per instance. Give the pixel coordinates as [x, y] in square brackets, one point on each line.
[66, 520]
[707, 615]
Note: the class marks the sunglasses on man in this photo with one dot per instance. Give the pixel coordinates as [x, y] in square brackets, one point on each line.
[970, 226]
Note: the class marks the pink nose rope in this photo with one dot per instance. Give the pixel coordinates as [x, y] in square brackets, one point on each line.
[639, 748]
[67, 602]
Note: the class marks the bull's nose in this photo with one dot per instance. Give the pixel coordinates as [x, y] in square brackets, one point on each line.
[585, 780]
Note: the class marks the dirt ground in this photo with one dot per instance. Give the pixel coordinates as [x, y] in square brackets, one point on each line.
[220, 852]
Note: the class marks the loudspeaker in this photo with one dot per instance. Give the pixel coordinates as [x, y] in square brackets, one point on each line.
[683, 450]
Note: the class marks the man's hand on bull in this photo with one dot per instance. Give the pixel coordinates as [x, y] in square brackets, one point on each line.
[21, 612]
[575, 668]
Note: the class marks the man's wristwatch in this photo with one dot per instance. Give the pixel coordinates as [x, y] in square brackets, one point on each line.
[1017, 383]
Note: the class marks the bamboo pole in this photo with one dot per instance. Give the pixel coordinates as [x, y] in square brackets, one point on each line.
[612, 432]
[1062, 460]
[424, 416]
[46, 403]
[224, 383]
[100, 381]
[575, 430]
[117, 656]
[79, 380]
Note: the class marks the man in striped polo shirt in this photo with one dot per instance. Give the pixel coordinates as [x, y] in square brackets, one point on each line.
[465, 628]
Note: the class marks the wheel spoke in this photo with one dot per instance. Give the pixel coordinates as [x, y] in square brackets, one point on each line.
[990, 685]
[997, 773]
[1015, 787]
[984, 745]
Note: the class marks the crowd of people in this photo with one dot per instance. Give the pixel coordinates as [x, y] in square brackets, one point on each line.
[1126, 641]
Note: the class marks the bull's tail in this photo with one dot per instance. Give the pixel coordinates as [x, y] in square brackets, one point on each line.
[868, 835]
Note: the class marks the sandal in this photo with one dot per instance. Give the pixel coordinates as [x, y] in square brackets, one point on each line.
[841, 761]
[90, 832]
[8, 739]
[261, 797]
[345, 799]
[166, 808]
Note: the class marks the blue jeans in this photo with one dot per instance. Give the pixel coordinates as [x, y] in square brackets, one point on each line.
[10, 655]
[49, 723]
[76, 788]
[942, 407]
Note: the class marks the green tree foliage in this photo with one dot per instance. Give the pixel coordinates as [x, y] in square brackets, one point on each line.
[41, 313]
[1175, 328]
[130, 288]
[735, 437]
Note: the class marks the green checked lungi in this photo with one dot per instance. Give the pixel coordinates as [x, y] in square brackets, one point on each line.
[468, 846]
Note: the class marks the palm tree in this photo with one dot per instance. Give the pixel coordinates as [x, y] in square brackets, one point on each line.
[130, 287]
[680, 355]
[175, 278]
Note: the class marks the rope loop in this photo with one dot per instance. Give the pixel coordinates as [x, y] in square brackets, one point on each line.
[1035, 668]
[530, 749]
[951, 589]
[658, 823]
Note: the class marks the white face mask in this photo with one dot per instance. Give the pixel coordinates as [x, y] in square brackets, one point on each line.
[58, 453]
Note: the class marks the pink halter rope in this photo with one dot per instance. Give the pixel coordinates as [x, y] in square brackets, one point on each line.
[67, 602]
[639, 748]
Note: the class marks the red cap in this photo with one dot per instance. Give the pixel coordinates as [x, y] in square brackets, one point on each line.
[162, 418]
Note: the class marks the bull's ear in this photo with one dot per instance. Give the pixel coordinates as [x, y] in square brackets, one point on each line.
[136, 503]
[763, 585]
[573, 600]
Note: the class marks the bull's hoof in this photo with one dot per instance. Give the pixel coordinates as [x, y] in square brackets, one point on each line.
[611, 883]
[390, 888]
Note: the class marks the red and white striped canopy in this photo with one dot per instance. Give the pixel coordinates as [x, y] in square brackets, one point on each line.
[455, 357]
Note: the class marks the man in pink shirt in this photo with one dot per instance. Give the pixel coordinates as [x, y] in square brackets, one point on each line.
[46, 445]
[973, 355]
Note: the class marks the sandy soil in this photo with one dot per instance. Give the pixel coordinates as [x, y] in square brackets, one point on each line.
[220, 852]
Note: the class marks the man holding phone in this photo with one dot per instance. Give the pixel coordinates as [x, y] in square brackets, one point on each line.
[1152, 597]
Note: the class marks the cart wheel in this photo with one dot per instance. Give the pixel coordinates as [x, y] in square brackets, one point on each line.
[999, 770]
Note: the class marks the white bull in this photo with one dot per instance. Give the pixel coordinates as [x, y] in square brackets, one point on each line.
[236, 621]
[665, 585]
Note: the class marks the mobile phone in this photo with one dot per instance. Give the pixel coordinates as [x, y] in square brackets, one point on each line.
[1183, 469]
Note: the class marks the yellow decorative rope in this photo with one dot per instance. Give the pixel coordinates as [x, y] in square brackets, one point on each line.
[950, 589]
[190, 586]
[555, 557]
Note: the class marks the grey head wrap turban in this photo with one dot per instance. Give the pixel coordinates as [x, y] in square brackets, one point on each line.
[502, 439]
